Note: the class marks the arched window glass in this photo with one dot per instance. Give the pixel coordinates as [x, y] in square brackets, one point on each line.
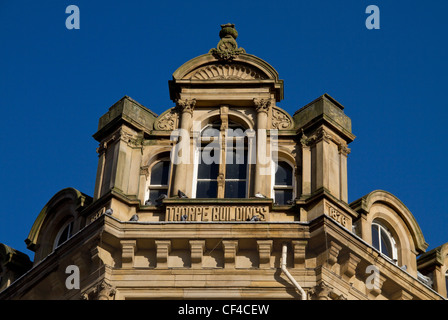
[65, 233]
[383, 241]
[159, 178]
[283, 183]
[232, 182]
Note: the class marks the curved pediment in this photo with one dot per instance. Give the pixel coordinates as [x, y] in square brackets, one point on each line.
[242, 67]
[225, 69]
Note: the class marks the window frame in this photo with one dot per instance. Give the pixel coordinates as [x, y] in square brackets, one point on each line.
[394, 246]
[150, 187]
[275, 187]
[204, 141]
[68, 224]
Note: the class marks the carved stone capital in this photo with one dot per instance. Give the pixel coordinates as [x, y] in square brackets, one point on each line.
[144, 171]
[102, 291]
[262, 105]
[186, 105]
[343, 148]
[321, 291]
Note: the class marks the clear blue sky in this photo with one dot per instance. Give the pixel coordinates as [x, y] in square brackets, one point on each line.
[55, 84]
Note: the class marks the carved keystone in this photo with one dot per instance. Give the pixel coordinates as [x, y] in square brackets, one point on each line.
[322, 291]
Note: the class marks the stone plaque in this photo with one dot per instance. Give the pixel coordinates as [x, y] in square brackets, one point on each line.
[216, 213]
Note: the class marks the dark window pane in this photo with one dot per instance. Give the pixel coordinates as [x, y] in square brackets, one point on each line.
[154, 194]
[235, 189]
[207, 189]
[375, 237]
[236, 171]
[236, 164]
[282, 196]
[160, 172]
[208, 171]
[65, 235]
[283, 176]
[386, 245]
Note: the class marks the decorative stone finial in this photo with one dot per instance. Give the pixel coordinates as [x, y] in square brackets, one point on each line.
[227, 48]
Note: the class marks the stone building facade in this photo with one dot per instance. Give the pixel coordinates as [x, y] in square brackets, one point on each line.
[225, 195]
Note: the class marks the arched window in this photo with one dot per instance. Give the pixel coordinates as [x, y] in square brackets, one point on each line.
[65, 233]
[446, 283]
[158, 183]
[383, 241]
[216, 178]
[283, 189]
